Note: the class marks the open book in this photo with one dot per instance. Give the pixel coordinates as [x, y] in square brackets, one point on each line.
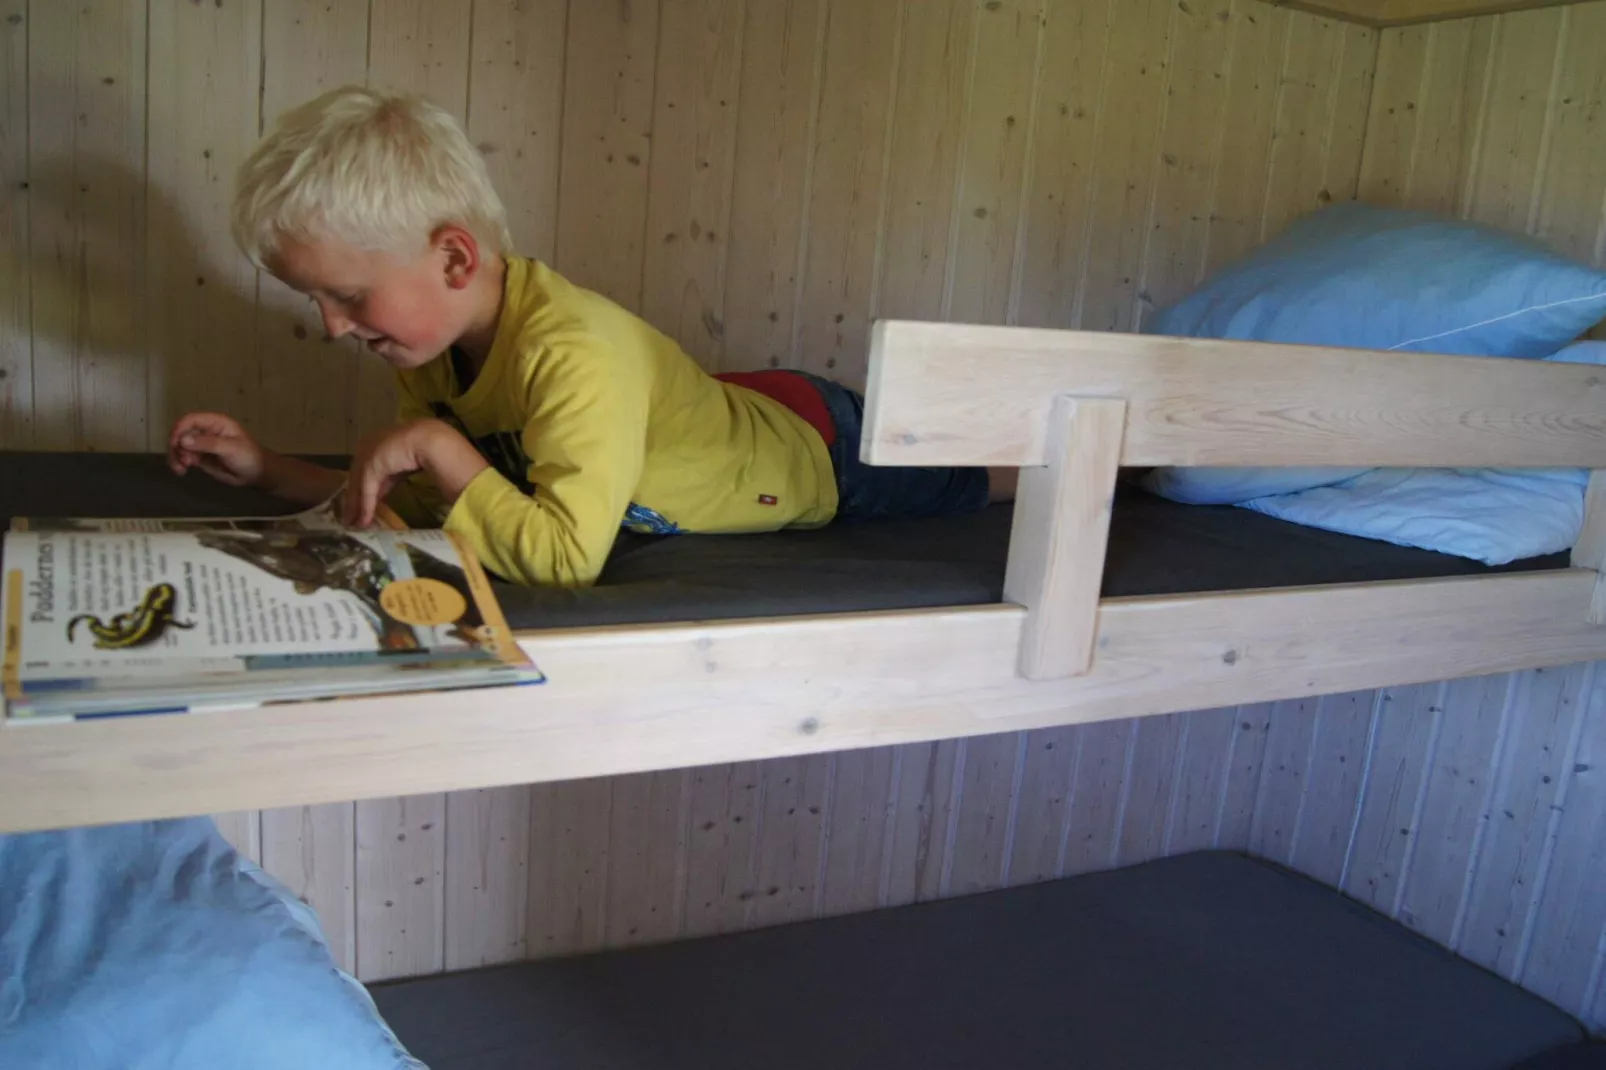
[110, 617]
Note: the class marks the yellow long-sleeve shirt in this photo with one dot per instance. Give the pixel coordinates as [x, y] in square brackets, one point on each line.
[593, 420]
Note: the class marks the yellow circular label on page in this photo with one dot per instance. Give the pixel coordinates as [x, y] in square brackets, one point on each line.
[423, 601]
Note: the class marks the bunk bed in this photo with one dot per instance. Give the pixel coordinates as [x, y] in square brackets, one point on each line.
[1052, 634]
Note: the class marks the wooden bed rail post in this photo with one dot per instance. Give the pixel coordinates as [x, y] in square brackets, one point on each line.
[1590, 550]
[1061, 529]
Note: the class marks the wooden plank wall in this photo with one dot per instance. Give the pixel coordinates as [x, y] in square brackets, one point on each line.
[763, 178]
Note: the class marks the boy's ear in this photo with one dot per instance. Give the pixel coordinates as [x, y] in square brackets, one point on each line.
[461, 255]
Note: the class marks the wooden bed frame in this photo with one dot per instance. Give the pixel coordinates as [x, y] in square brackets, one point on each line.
[1068, 407]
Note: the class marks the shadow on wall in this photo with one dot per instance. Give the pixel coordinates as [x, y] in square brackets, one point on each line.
[134, 321]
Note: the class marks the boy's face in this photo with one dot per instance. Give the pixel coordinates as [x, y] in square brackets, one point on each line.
[408, 309]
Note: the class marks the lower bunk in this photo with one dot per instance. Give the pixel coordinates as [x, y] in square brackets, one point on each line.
[1209, 959]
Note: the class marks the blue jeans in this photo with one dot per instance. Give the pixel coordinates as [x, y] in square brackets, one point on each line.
[872, 492]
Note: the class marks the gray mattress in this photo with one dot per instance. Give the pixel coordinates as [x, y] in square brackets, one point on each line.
[1156, 547]
[1198, 962]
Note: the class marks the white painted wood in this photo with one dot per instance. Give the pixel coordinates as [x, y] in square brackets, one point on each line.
[1060, 533]
[1590, 551]
[976, 395]
[1158, 655]
[1247, 758]
[1203, 780]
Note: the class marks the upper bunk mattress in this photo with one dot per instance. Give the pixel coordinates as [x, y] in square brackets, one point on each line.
[1156, 548]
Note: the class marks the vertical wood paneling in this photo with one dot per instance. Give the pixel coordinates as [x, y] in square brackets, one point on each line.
[204, 112]
[1259, 44]
[1455, 806]
[1570, 215]
[847, 183]
[1101, 765]
[927, 128]
[86, 137]
[788, 863]
[308, 47]
[313, 851]
[243, 829]
[1285, 766]
[486, 904]
[1246, 764]
[16, 316]
[1150, 783]
[607, 146]
[646, 846]
[568, 872]
[1062, 178]
[857, 827]
[1508, 866]
[778, 99]
[1333, 784]
[515, 110]
[1000, 120]
[1042, 811]
[923, 816]
[1135, 68]
[693, 169]
[1408, 721]
[401, 900]
[1518, 124]
[1201, 787]
[721, 847]
[1568, 916]
[1180, 219]
[982, 831]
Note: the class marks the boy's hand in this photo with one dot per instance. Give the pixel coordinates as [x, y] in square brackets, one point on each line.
[384, 460]
[218, 446]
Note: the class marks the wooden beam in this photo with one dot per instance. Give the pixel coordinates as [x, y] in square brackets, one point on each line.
[1061, 529]
[624, 700]
[1590, 551]
[943, 394]
[1385, 13]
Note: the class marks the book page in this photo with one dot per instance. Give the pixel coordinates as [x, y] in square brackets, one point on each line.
[83, 604]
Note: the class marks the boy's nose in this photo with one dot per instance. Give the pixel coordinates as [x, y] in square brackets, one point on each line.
[335, 325]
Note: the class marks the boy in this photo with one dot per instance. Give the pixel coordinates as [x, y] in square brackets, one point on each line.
[536, 417]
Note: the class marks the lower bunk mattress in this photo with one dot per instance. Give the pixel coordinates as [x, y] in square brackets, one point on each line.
[1156, 547]
[1203, 961]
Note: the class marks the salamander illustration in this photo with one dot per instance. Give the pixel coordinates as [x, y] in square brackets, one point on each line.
[143, 624]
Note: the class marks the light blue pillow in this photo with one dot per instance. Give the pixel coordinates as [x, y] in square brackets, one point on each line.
[155, 945]
[1492, 515]
[1363, 277]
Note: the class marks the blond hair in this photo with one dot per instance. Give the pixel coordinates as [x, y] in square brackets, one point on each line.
[372, 170]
